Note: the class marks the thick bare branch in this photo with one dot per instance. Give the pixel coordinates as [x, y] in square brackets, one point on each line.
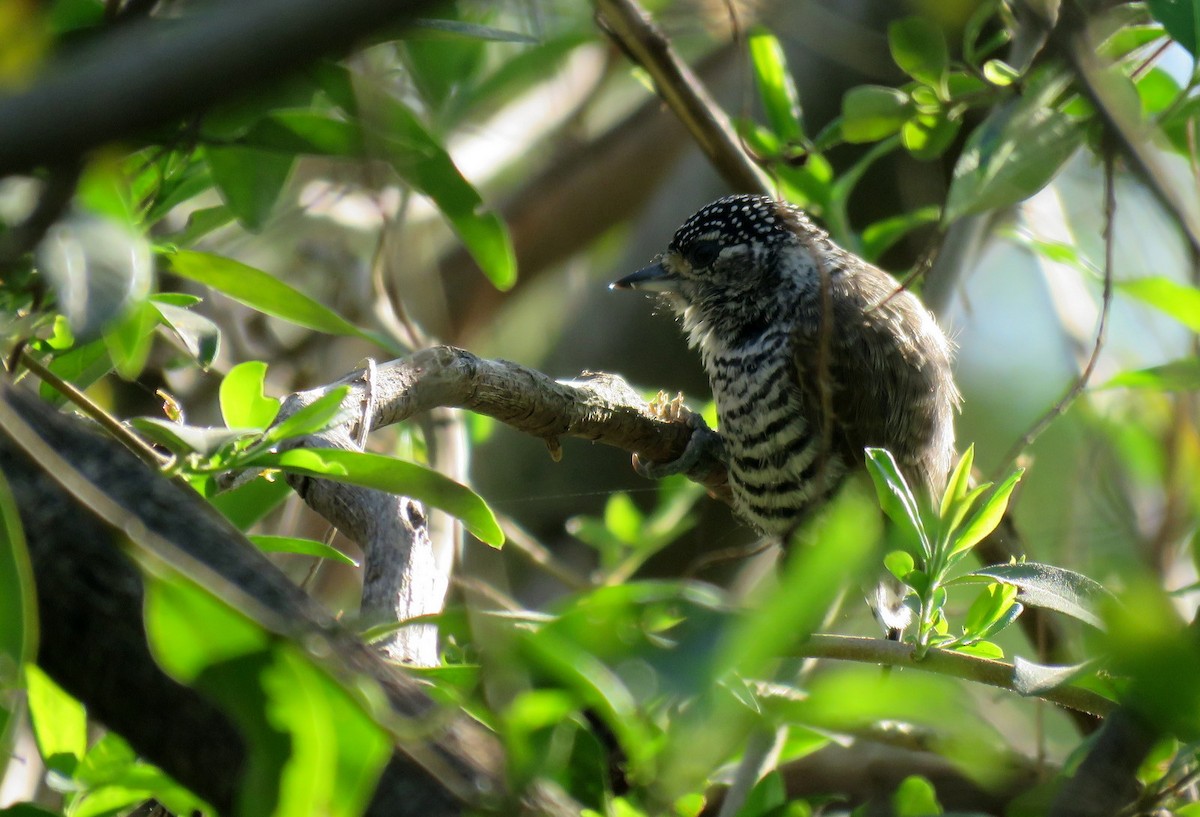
[598, 407]
[81, 497]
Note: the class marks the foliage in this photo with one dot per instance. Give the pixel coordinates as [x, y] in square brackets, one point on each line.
[174, 270]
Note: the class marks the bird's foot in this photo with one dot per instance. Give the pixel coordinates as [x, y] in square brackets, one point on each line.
[703, 446]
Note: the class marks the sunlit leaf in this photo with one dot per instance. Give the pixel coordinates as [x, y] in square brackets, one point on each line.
[985, 520]
[960, 479]
[199, 335]
[1015, 152]
[185, 439]
[812, 578]
[244, 402]
[895, 497]
[258, 290]
[311, 132]
[249, 180]
[1054, 588]
[423, 162]
[1181, 18]
[1030, 678]
[873, 112]
[303, 547]
[919, 47]
[251, 501]
[878, 237]
[18, 612]
[394, 476]
[775, 85]
[59, 721]
[1180, 301]
[915, 797]
[316, 416]
[1178, 375]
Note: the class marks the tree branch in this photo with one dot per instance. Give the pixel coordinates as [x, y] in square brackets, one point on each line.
[93, 644]
[149, 72]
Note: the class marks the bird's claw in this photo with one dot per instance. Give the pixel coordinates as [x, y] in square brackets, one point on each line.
[704, 446]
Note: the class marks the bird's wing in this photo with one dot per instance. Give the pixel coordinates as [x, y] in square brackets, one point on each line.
[872, 377]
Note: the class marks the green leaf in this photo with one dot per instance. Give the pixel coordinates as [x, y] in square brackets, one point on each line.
[1000, 73]
[202, 222]
[1180, 301]
[768, 796]
[919, 47]
[310, 747]
[1015, 152]
[985, 520]
[1053, 588]
[199, 335]
[249, 180]
[266, 293]
[303, 547]
[1036, 679]
[623, 518]
[515, 75]
[775, 86]
[899, 563]
[1158, 91]
[960, 480]
[927, 136]
[873, 112]
[879, 237]
[190, 630]
[1178, 375]
[838, 544]
[394, 476]
[18, 612]
[980, 649]
[244, 403]
[81, 366]
[59, 722]
[915, 797]
[316, 416]
[419, 159]
[310, 132]
[992, 603]
[251, 501]
[129, 339]
[895, 497]
[185, 439]
[1128, 39]
[1181, 19]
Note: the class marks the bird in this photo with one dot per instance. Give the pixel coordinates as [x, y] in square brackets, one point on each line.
[813, 355]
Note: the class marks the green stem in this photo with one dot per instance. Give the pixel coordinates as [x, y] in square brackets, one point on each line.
[944, 662]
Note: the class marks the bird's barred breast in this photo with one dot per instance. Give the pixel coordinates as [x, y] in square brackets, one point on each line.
[776, 470]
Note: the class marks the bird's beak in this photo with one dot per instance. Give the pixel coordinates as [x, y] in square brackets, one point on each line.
[654, 278]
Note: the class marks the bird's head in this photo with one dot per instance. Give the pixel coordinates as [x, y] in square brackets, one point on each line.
[729, 264]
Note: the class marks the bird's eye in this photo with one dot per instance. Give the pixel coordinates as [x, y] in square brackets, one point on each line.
[703, 254]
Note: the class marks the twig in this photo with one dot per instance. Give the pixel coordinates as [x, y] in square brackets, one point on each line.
[632, 29]
[1043, 422]
[85, 404]
[943, 662]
